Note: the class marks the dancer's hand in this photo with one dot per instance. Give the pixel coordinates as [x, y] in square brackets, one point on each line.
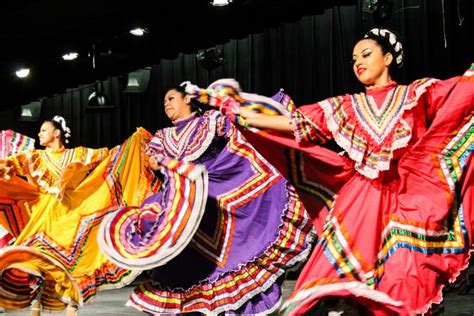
[264, 121]
[153, 164]
[5, 171]
[245, 117]
[245, 113]
[227, 107]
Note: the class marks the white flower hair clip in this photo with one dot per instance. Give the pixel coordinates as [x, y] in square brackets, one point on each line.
[65, 128]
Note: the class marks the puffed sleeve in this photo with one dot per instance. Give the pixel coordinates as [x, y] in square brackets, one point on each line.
[224, 126]
[20, 162]
[436, 95]
[89, 157]
[309, 124]
[155, 148]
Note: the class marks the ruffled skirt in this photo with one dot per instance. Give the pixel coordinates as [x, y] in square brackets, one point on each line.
[56, 253]
[231, 256]
[392, 243]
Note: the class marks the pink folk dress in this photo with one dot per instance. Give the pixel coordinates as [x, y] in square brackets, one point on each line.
[400, 226]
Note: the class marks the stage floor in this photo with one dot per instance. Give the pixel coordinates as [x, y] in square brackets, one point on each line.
[112, 303]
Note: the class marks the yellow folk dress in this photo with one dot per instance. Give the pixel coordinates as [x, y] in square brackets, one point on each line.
[69, 192]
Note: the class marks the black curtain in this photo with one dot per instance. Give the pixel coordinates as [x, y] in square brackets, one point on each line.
[309, 58]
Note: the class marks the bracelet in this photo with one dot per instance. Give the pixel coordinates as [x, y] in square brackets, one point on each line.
[242, 122]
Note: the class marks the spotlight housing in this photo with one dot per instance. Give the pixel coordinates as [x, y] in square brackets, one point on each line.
[137, 81]
[98, 99]
[210, 58]
[29, 112]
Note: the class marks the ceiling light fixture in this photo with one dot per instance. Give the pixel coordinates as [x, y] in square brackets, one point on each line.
[210, 58]
[29, 112]
[137, 81]
[70, 56]
[22, 73]
[220, 3]
[98, 98]
[138, 31]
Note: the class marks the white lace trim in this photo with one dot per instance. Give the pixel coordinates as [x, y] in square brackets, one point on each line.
[300, 257]
[372, 172]
[212, 118]
[356, 288]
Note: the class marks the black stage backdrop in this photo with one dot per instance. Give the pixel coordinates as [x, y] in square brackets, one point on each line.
[308, 57]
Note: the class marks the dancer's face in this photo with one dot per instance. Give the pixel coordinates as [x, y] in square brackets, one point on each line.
[47, 134]
[371, 66]
[177, 106]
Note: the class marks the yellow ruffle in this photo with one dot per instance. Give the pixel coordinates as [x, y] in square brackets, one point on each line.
[59, 241]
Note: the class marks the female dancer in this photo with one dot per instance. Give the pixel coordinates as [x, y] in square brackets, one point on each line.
[400, 226]
[231, 258]
[55, 260]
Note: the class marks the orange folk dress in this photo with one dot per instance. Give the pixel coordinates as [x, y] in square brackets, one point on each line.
[67, 195]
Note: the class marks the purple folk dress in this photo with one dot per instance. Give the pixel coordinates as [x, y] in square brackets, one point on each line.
[231, 257]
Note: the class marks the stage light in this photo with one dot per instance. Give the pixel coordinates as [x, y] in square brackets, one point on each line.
[70, 56]
[380, 11]
[138, 31]
[137, 81]
[369, 6]
[210, 58]
[220, 3]
[98, 99]
[29, 112]
[383, 12]
[22, 73]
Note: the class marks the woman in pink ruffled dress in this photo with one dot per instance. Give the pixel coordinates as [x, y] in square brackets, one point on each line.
[400, 227]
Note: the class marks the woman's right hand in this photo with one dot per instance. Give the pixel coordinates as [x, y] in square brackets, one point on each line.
[245, 113]
[153, 164]
[264, 121]
[5, 171]
[245, 117]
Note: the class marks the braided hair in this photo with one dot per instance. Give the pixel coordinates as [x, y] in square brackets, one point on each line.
[59, 123]
[389, 43]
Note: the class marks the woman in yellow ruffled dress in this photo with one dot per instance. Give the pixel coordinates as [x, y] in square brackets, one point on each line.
[55, 261]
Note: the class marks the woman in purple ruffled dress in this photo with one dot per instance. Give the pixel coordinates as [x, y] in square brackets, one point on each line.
[230, 258]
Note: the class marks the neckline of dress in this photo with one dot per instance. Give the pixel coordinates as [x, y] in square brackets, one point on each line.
[386, 99]
[55, 151]
[380, 89]
[184, 120]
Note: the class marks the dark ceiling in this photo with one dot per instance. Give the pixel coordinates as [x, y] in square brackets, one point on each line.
[35, 34]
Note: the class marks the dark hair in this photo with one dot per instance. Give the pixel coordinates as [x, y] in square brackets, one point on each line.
[65, 132]
[196, 106]
[389, 42]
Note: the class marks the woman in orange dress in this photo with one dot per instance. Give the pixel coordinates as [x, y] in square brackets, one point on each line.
[55, 260]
